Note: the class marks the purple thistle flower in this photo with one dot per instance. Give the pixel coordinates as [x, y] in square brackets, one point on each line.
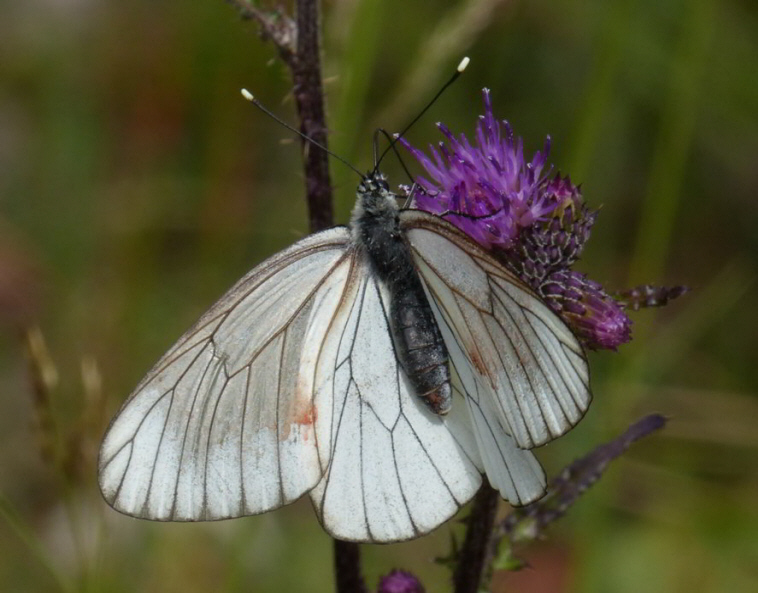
[534, 223]
[399, 581]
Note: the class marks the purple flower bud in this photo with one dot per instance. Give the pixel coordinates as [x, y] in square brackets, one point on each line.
[399, 581]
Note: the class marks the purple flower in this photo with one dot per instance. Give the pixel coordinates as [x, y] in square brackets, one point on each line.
[534, 222]
[399, 581]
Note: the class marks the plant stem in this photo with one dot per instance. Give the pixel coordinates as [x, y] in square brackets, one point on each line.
[347, 568]
[474, 554]
[309, 97]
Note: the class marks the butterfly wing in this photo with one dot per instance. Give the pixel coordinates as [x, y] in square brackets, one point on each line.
[223, 425]
[514, 351]
[515, 472]
[397, 470]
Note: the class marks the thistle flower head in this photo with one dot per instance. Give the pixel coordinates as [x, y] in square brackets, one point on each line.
[490, 183]
[534, 222]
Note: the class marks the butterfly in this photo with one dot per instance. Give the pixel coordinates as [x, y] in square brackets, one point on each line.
[380, 367]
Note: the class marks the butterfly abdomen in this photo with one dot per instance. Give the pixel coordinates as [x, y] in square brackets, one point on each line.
[420, 347]
[418, 341]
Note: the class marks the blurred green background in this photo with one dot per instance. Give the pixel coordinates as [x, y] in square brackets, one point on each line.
[136, 186]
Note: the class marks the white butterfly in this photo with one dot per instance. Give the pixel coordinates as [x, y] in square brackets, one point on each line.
[321, 372]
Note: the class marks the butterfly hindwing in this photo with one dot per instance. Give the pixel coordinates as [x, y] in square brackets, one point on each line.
[397, 469]
[514, 472]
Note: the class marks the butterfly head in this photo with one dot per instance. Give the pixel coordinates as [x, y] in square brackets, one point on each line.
[375, 201]
[373, 182]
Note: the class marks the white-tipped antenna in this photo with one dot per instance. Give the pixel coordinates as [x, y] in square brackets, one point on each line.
[249, 96]
[458, 71]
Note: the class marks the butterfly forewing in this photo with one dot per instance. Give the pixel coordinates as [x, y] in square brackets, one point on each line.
[524, 356]
[223, 425]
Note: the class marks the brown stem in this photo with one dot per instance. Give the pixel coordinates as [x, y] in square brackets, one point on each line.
[347, 568]
[474, 554]
[309, 97]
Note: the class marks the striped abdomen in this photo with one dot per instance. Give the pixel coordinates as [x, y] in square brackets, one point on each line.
[420, 347]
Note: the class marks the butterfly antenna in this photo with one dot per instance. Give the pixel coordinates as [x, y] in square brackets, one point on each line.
[393, 146]
[458, 71]
[249, 96]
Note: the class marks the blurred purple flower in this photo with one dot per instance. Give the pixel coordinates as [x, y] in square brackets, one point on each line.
[529, 522]
[399, 581]
[533, 222]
